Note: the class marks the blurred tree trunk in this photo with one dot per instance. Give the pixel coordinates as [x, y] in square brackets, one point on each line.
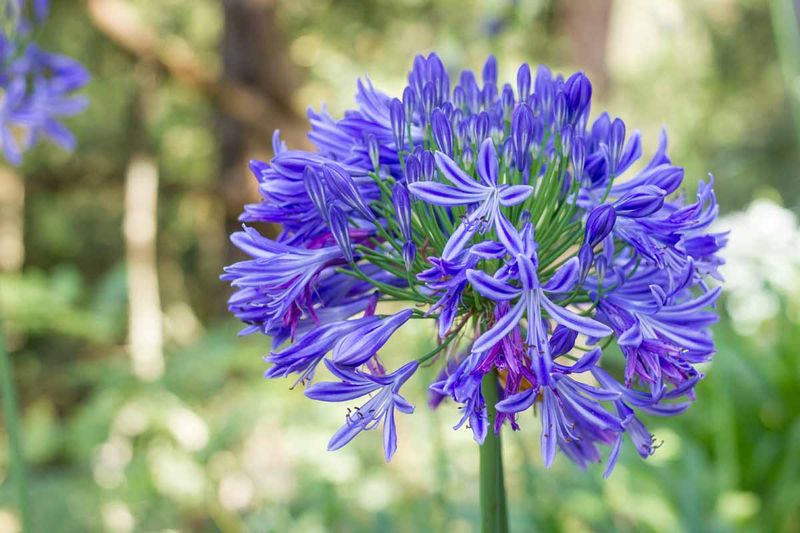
[254, 56]
[585, 24]
[12, 217]
[140, 226]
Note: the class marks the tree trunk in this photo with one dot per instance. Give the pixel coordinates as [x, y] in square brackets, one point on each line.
[12, 217]
[254, 57]
[140, 228]
[586, 24]
[145, 336]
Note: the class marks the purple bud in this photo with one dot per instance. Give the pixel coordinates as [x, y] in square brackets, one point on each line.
[616, 139]
[442, 132]
[562, 341]
[472, 92]
[578, 157]
[409, 254]
[343, 186]
[600, 129]
[522, 133]
[357, 347]
[339, 229]
[447, 109]
[489, 95]
[40, 9]
[417, 76]
[544, 89]
[438, 74]
[507, 100]
[560, 111]
[666, 177]
[467, 158]
[481, 127]
[409, 102]
[640, 202]
[599, 223]
[374, 152]
[398, 118]
[428, 163]
[585, 257]
[566, 139]
[523, 82]
[459, 98]
[402, 209]
[316, 191]
[462, 132]
[490, 70]
[601, 265]
[508, 153]
[566, 185]
[412, 169]
[428, 99]
[579, 96]
[466, 77]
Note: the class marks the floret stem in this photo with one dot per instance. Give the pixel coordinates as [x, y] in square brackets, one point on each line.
[494, 517]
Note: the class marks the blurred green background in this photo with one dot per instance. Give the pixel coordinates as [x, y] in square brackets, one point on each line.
[142, 410]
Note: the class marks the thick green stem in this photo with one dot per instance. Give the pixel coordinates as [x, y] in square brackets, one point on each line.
[16, 457]
[494, 518]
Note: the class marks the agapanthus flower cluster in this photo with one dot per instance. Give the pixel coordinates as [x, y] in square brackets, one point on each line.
[513, 219]
[37, 88]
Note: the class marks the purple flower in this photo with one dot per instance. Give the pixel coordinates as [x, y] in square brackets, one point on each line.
[277, 279]
[466, 191]
[463, 385]
[36, 90]
[573, 419]
[307, 351]
[533, 298]
[406, 199]
[385, 399]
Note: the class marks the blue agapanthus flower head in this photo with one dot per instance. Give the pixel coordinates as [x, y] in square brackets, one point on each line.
[513, 217]
[37, 88]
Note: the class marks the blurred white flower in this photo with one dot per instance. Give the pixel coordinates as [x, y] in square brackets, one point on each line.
[236, 491]
[187, 427]
[176, 474]
[110, 460]
[118, 517]
[762, 262]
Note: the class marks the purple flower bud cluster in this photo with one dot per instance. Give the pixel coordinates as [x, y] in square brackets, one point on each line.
[37, 88]
[514, 221]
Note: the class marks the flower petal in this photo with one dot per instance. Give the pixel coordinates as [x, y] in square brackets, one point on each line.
[488, 168]
[490, 287]
[441, 194]
[517, 402]
[581, 324]
[501, 328]
[565, 277]
[514, 194]
[453, 173]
